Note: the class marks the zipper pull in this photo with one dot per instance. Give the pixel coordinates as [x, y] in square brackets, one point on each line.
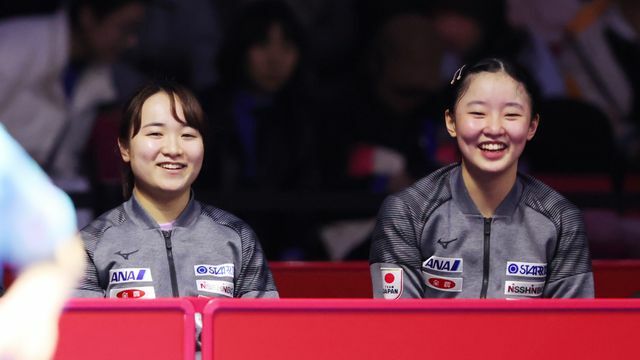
[487, 226]
[167, 239]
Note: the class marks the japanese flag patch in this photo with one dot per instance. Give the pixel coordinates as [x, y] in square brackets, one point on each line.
[391, 283]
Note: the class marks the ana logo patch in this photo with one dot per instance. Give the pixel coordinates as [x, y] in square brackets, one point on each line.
[222, 270]
[525, 269]
[443, 283]
[523, 288]
[142, 292]
[216, 287]
[121, 276]
[391, 283]
[451, 265]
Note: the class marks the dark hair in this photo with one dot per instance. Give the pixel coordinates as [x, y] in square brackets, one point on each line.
[250, 27]
[100, 8]
[461, 79]
[132, 118]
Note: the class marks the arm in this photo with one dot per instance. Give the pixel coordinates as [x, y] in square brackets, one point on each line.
[30, 309]
[570, 274]
[395, 257]
[39, 238]
[89, 286]
[255, 279]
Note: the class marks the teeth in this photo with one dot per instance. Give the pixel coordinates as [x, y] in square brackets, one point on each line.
[171, 166]
[492, 146]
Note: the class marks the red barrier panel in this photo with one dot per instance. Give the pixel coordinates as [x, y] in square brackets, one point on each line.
[616, 278]
[411, 329]
[613, 279]
[127, 329]
[322, 279]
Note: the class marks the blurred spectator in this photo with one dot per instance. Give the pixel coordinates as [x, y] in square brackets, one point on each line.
[55, 74]
[262, 131]
[386, 131]
[179, 40]
[599, 56]
[259, 110]
[472, 30]
[389, 131]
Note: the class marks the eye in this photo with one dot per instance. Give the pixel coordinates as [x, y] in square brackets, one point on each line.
[476, 113]
[513, 116]
[154, 134]
[189, 135]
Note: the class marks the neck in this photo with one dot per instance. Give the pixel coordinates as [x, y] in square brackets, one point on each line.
[164, 209]
[487, 191]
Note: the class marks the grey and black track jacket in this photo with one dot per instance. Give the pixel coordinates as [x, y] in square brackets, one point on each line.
[209, 252]
[431, 241]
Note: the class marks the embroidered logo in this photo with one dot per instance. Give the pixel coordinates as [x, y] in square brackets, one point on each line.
[143, 292]
[216, 287]
[451, 265]
[125, 255]
[535, 270]
[391, 283]
[443, 283]
[445, 244]
[523, 288]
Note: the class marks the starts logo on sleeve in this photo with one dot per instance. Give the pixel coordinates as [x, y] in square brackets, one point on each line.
[525, 269]
[222, 270]
[391, 283]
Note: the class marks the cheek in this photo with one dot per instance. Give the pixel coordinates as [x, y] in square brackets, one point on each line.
[195, 152]
[291, 61]
[256, 61]
[144, 150]
[469, 129]
[518, 132]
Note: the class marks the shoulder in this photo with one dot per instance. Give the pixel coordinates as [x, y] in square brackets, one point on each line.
[545, 200]
[111, 219]
[426, 194]
[223, 218]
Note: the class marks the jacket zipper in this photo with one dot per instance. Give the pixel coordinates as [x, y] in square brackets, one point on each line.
[486, 258]
[172, 266]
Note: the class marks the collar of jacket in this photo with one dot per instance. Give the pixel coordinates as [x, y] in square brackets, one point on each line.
[139, 216]
[466, 205]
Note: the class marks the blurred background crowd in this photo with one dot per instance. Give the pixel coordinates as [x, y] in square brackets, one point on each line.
[317, 109]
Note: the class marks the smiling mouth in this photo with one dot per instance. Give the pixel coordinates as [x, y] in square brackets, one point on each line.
[492, 146]
[172, 166]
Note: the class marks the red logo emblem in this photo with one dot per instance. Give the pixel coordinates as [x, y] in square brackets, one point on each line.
[130, 293]
[442, 283]
[389, 278]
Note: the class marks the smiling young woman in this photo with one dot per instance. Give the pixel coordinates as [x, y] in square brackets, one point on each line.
[162, 242]
[479, 228]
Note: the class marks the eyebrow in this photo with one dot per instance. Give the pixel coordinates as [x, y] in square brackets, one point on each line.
[480, 102]
[153, 124]
[515, 104]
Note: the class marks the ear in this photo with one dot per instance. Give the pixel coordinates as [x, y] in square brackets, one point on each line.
[533, 127]
[450, 122]
[124, 152]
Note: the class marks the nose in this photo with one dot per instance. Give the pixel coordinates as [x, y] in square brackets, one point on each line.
[494, 125]
[172, 146]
